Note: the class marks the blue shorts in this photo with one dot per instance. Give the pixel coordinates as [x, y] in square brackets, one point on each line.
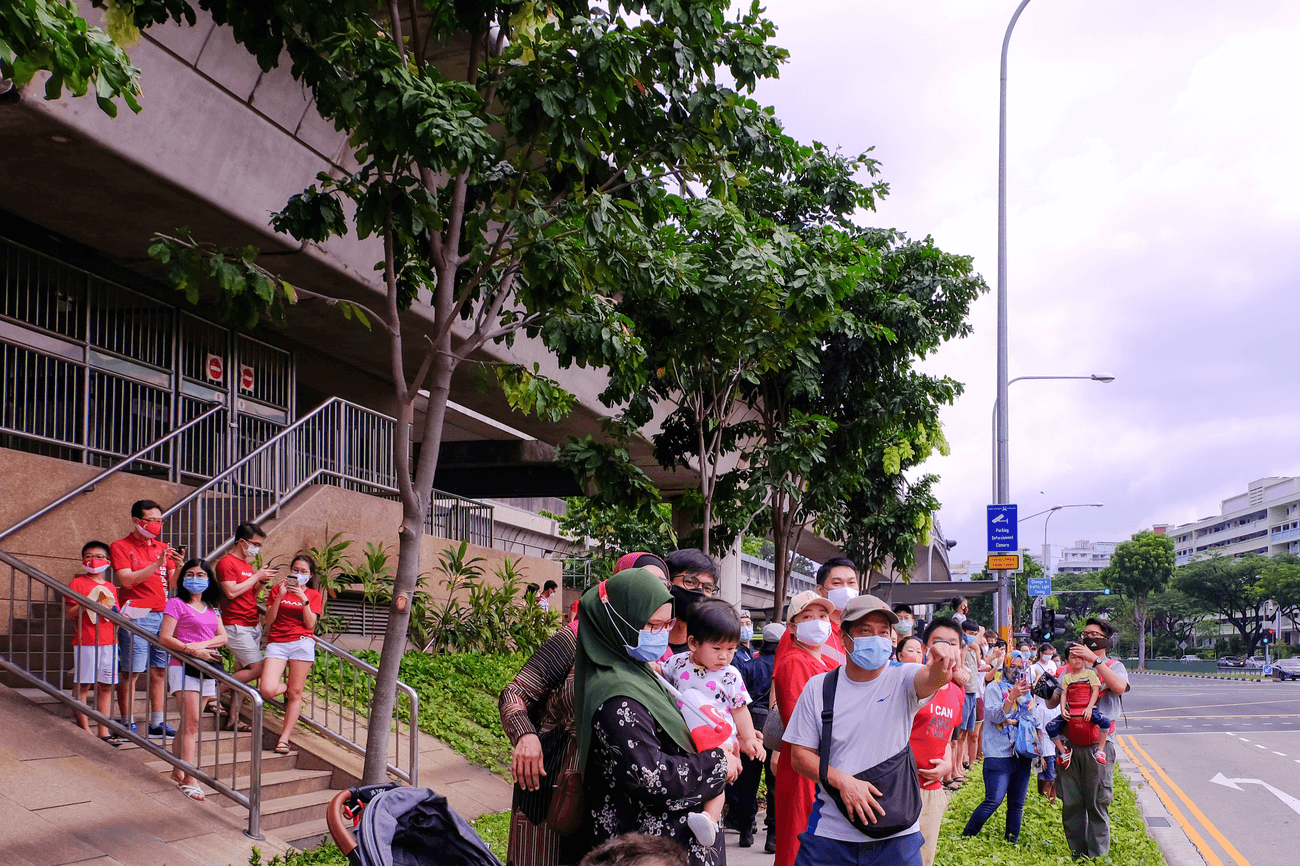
[968, 714]
[1048, 773]
[898, 851]
[1057, 726]
[136, 653]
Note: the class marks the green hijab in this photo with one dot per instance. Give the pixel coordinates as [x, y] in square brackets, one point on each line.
[604, 670]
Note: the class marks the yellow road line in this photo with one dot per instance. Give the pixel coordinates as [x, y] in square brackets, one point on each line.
[1199, 841]
[1191, 807]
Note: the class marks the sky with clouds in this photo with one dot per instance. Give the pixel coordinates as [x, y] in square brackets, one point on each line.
[1153, 226]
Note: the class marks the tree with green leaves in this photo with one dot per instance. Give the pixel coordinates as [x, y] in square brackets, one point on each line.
[615, 529]
[1279, 582]
[519, 190]
[1230, 588]
[1176, 614]
[1139, 567]
[51, 36]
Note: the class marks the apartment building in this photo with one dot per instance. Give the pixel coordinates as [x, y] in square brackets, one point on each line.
[1263, 520]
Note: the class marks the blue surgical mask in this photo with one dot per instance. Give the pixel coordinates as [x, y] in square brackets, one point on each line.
[746, 633]
[968, 639]
[904, 627]
[195, 585]
[871, 652]
[650, 645]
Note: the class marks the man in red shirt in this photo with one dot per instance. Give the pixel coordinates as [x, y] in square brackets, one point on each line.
[931, 739]
[146, 570]
[242, 585]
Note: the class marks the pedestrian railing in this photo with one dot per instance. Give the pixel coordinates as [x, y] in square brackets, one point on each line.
[37, 650]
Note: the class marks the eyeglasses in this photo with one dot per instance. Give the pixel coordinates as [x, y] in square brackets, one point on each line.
[657, 627]
[704, 586]
[1093, 634]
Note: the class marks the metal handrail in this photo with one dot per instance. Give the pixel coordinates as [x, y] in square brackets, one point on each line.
[126, 461]
[252, 801]
[412, 777]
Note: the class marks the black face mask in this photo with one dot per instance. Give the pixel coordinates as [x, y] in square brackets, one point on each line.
[684, 599]
[1097, 643]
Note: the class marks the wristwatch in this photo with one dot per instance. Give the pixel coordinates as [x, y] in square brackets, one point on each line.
[1096, 663]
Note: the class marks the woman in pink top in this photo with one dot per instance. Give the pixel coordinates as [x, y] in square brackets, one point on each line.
[192, 626]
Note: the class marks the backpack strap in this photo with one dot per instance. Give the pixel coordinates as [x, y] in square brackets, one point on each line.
[828, 718]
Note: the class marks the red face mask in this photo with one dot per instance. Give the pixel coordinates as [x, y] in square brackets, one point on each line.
[95, 564]
[150, 529]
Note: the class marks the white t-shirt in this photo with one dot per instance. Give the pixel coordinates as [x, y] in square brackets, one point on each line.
[873, 722]
[724, 689]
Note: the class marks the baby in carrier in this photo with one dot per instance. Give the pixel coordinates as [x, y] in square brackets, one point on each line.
[1080, 689]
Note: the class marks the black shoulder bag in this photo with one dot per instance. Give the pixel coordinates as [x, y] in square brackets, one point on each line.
[895, 777]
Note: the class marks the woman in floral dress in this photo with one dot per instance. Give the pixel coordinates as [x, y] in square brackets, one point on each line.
[641, 771]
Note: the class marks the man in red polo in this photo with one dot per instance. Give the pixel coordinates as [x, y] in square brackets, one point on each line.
[242, 583]
[146, 570]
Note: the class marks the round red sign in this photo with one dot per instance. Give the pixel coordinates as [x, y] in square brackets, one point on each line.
[214, 368]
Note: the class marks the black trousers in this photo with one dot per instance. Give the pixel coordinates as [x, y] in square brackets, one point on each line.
[742, 795]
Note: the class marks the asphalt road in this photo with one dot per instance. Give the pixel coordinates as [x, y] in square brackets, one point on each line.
[1225, 758]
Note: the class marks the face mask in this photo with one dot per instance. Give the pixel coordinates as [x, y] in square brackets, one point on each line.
[650, 646]
[684, 599]
[841, 595]
[253, 550]
[904, 627]
[813, 632]
[1097, 643]
[871, 652]
[301, 576]
[94, 564]
[195, 585]
[968, 639]
[152, 529]
[746, 633]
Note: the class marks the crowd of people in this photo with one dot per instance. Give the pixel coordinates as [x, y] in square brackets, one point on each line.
[653, 715]
[193, 609]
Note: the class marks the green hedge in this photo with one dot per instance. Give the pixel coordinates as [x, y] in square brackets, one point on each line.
[1042, 841]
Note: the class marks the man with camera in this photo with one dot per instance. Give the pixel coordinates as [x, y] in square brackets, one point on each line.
[1087, 788]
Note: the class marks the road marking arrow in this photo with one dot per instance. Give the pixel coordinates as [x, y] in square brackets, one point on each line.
[1220, 779]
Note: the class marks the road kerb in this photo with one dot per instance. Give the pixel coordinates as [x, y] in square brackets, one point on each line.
[1181, 844]
[1191, 807]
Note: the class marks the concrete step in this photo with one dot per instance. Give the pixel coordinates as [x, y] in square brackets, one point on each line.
[306, 835]
[285, 783]
[35, 642]
[271, 763]
[36, 625]
[300, 808]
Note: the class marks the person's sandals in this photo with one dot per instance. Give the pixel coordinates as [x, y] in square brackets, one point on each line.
[194, 792]
[952, 785]
[113, 740]
[237, 724]
[282, 748]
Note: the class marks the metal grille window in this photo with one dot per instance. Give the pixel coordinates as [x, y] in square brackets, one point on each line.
[42, 292]
[129, 324]
[265, 373]
[124, 417]
[41, 401]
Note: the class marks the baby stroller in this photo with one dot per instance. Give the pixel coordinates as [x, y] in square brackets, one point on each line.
[397, 826]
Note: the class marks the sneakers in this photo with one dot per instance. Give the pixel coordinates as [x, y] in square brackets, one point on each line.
[1100, 756]
[164, 730]
[704, 828]
[1063, 757]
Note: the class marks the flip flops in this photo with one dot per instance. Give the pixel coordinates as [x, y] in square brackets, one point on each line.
[113, 740]
[194, 792]
[238, 725]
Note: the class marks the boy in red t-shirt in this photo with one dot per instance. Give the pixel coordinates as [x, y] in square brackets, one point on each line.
[95, 640]
[1080, 688]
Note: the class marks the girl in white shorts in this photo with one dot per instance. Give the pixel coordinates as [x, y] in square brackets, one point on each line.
[294, 605]
[192, 626]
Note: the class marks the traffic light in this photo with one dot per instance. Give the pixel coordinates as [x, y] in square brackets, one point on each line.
[1049, 623]
[1268, 635]
[1106, 591]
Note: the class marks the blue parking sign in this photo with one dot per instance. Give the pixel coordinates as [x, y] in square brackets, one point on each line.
[1003, 534]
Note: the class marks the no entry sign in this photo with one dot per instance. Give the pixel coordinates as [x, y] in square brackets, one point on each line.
[245, 377]
[215, 368]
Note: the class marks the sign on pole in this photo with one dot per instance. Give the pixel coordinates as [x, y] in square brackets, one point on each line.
[1040, 586]
[1004, 562]
[1003, 534]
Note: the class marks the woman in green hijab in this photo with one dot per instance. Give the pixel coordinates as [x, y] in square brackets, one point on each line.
[641, 771]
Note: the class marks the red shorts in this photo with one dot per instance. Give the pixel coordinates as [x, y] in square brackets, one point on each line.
[979, 709]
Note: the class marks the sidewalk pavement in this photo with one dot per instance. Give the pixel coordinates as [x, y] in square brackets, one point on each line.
[66, 798]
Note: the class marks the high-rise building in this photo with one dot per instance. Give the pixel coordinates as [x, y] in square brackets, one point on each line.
[1263, 520]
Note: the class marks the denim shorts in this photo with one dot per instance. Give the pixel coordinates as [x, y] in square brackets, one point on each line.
[968, 714]
[136, 653]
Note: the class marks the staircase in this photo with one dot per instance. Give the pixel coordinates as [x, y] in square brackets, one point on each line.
[42, 634]
[296, 787]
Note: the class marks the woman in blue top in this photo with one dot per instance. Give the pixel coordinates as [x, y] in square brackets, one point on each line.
[1007, 704]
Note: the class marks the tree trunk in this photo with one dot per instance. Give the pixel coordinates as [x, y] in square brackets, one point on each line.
[1140, 615]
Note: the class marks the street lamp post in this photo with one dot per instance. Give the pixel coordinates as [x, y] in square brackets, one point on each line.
[1001, 485]
[1051, 512]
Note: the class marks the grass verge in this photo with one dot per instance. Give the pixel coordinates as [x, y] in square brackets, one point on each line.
[1042, 841]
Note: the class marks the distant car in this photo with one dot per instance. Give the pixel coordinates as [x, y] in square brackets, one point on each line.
[1190, 658]
[1230, 662]
[1287, 669]
[1253, 663]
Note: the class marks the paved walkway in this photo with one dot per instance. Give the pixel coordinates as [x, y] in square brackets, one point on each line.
[66, 798]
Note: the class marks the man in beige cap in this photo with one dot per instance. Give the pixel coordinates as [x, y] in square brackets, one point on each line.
[872, 704]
